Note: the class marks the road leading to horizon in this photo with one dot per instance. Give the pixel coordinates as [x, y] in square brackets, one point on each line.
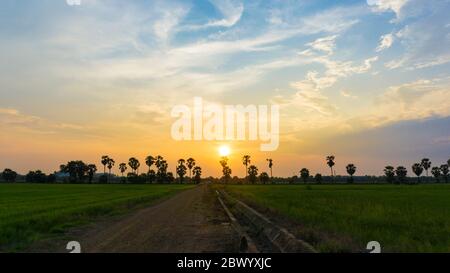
[191, 221]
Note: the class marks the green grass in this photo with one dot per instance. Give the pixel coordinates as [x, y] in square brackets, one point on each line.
[30, 212]
[346, 217]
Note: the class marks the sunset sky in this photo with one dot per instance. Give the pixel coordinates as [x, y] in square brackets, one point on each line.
[367, 81]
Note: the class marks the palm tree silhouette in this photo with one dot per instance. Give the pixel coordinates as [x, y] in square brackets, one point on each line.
[181, 169]
[304, 174]
[110, 164]
[122, 168]
[436, 172]
[401, 173]
[149, 161]
[252, 173]
[197, 174]
[91, 171]
[426, 164]
[331, 163]
[270, 160]
[246, 161]
[389, 173]
[417, 170]
[105, 160]
[190, 165]
[134, 165]
[351, 169]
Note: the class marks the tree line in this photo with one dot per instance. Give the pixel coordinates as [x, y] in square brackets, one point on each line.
[392, 175]
[157, 172]
[78, 171]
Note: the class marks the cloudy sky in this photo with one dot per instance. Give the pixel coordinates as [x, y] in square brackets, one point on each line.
[367, 81]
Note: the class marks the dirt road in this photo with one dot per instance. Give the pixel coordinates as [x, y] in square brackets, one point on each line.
[192, 221]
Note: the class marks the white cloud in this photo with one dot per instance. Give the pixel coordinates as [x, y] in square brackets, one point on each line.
[386, 42]
[388, 5]
[347, 94]
[414, 100]
[326, 44]
[169, 19]
[231, 10]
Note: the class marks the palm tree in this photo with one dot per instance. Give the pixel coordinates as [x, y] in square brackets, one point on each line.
[389, 173]
[426, 164]
[197, 174]
[105, 160]
[444, 171]
[401, 173]
[304, 174]
[149, 161]
[351, 169]
[181, 169]
[190, 165]
[436, 172]
[134, 165]
[331, 163]
[270, 160]
[110, 164]
[122, 168]
[246, 161]
[91, 171]
[226, 170]
[252, 173]
[417, 169]
[264, 178]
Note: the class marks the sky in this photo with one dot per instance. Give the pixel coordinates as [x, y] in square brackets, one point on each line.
[366, 81]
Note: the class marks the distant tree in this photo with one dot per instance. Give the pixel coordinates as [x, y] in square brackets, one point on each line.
[197, 174]
[270, 161]
[293, 179]
[417, 170]
[264, 178]
[51, 178]
[351, 169]
[92, 169]
[252, 173]
[151, 176]
[162, 176]
[169, 177]
[426, 164]
[132, 178]
[134, 165]
[9, 175]
[105, 160]
[190, 165]
[436, 172]
[77, 171]
[444, 171]
[246, 161]
[150, 161]
[318, 178]
[390, 174]
[181, 169]
[226, 170]
[304, 174]
[36, 177]
[401, 173]
[122, 168]
[110, 164]
[331, 163]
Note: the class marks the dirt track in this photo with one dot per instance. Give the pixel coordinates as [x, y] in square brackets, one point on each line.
[191, 221]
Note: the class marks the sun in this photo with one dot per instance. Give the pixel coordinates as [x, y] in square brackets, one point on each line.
[224, 150]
